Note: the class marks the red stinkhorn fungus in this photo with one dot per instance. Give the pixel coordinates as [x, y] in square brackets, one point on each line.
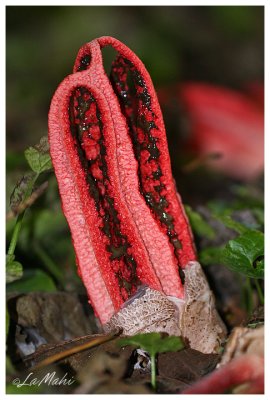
[109, 150]
[228, 122]
[243, 375]
[110, 156]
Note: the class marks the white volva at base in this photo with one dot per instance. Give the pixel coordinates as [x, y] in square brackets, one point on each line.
[195, 317]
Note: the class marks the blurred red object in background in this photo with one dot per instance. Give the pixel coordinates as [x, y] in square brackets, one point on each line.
[228, 122]
[243, 375]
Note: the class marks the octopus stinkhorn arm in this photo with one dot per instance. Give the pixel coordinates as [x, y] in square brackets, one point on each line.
[244, 375]
[229, 123]
[109, 150]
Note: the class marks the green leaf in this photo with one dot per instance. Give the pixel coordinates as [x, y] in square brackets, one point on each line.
[153, 342]
[170, 343]
[199, 225]
[245, 254]
[14, 269]
[38, 157]
[36, 280]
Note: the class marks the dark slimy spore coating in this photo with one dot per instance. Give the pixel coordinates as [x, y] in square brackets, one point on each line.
[87, 131]
[135, 102]
[84, 62]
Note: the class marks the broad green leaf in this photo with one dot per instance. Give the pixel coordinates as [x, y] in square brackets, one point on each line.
[153, 342]
[14, 269]
[170, 343]
[38, 157]
[199, 225]
[33, 280]
[245, 254]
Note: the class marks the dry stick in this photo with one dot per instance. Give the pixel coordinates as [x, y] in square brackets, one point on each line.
[76, 349]
[27, 203]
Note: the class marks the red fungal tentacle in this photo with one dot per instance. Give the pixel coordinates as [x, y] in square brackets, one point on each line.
[150, 109]
[67, 163]
[120, 240]
[247, 369]
[161, 254]
[78, 207]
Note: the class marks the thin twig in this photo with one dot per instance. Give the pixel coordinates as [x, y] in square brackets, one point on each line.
[76, 349]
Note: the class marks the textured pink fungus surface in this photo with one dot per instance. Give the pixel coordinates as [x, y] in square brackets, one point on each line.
[109, 151]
